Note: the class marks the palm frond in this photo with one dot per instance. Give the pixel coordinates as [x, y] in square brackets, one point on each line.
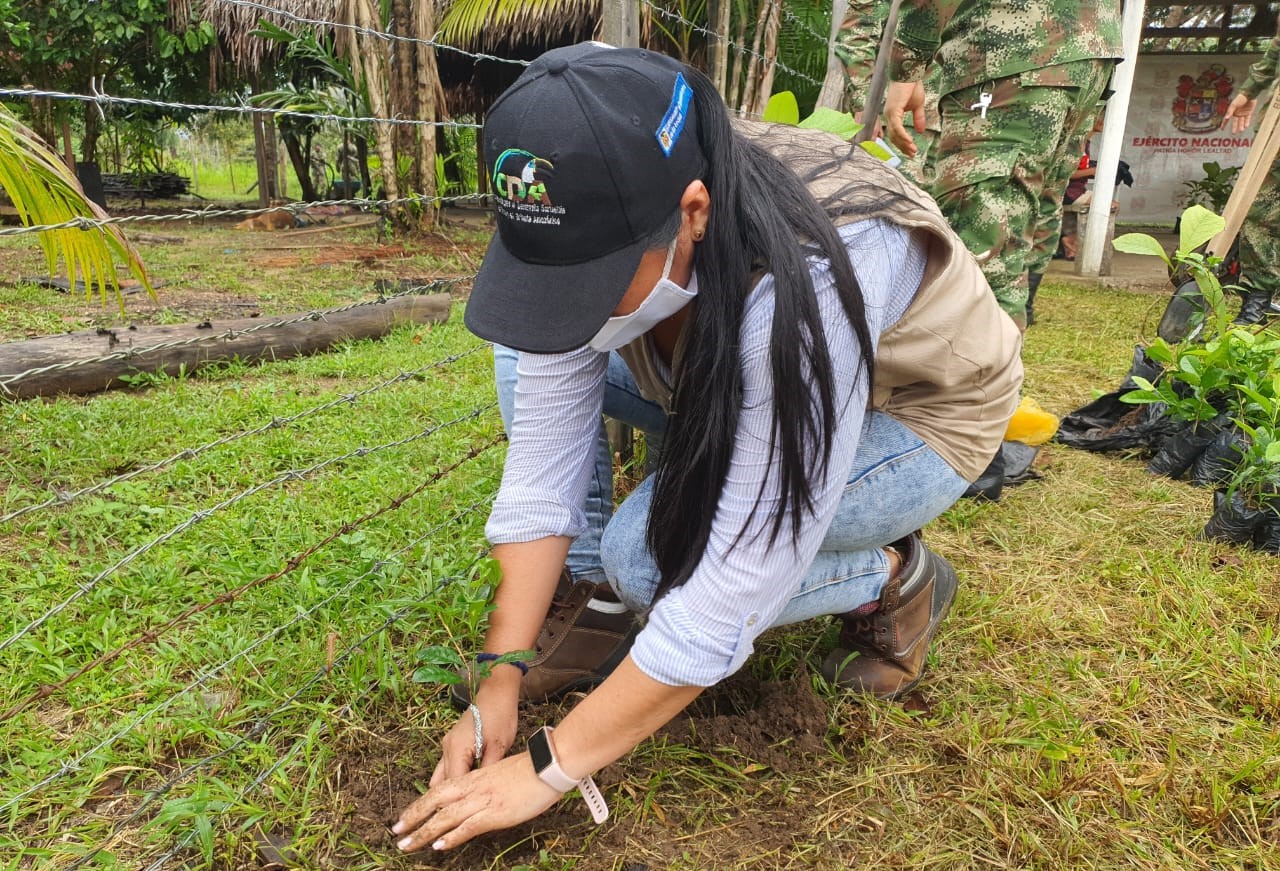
[44, 191]
[487, 24]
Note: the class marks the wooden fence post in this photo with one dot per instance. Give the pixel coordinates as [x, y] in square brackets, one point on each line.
[620, 23]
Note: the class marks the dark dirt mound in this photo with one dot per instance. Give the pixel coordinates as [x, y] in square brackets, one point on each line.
[766, 729]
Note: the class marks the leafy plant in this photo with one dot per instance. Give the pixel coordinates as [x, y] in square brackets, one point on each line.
[783, 108]
[1214, 189]
[1232, 370]
[445, 665]
[44, 191]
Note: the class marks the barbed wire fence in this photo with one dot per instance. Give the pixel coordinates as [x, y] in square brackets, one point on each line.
[466, 443]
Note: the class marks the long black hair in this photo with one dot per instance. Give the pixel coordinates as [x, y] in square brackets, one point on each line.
[762, 218]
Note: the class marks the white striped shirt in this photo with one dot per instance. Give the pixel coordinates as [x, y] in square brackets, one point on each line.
[700, 633]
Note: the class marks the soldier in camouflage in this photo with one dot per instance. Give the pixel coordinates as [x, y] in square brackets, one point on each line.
[1020, 83]
[857, 43]
[1260, 233]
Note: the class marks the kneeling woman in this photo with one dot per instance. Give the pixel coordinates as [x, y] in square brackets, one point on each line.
[817, 354]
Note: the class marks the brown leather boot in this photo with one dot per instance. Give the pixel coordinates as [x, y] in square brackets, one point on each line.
[586, 634]
[892, 638]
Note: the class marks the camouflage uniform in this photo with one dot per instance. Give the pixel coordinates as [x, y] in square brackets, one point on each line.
[856, 46]
[1046, 64]
[920, 168]
[1260, 233]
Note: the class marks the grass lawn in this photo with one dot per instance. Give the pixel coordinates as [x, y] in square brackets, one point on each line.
[1105, 694]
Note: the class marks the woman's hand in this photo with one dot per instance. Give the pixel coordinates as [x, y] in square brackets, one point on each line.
[501, 794]
[498, 705]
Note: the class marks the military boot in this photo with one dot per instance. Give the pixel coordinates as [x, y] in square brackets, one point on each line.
[586, 634]
[1033, 285]
[891, 635]
[1255, 308]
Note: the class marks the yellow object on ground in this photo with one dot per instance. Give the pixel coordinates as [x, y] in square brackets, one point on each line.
[1031, 424]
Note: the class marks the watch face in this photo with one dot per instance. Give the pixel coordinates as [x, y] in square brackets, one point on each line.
[540, 751]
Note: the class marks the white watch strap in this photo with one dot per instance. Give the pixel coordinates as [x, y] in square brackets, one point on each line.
[595, 801]
[554, 776]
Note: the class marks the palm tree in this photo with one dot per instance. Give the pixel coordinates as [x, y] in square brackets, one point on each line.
[44, 191]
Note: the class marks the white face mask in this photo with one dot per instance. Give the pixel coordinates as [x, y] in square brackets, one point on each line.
[663, 301]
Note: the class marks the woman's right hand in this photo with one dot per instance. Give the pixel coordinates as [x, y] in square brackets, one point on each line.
[498, 700]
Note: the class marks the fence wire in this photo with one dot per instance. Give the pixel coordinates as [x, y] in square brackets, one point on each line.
[102, 99]
[66, 497]
[154, 633]
[672, 15]
[74, 765]
[197, 517]
[258, 731]
[265, 727]
[85, 222]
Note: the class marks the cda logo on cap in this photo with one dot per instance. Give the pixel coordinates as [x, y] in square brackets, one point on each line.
[520, 184]
[589, 153]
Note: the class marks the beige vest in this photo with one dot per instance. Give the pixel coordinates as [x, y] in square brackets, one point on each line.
[950, 369]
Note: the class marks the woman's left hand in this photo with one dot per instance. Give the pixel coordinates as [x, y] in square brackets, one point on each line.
[451, 813]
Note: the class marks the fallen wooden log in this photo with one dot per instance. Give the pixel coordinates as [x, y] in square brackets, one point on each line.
[90, 361]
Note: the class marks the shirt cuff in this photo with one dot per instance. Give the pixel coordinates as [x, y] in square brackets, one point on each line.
[521, 515]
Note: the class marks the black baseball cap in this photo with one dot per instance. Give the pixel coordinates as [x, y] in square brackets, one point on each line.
[589, 153]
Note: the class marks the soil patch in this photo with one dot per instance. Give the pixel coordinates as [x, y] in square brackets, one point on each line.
[762, 729]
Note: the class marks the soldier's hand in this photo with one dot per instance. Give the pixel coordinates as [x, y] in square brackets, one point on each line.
[904, 97]
[1239, 114]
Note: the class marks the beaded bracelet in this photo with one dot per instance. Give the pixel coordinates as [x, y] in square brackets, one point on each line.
[493, 657]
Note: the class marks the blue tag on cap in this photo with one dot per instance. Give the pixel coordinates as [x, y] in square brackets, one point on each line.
[668, 132]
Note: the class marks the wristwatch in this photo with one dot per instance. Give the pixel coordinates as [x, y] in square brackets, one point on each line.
[543, 753]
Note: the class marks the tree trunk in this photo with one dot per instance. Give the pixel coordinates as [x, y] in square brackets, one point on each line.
[301, 165]
[219, 341]
[372, 60]
[401, 98]
[718, 51]
[428, 84]
[751, 79]
[265, 156]
[771, 58]
[362, 156]
[735, 79]
[92, 132]
[832, 94]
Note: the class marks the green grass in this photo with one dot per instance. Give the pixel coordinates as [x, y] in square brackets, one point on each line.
[1104, 695]
[213, 270]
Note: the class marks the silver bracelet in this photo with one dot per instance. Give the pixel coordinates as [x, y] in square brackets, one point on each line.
[475, 718]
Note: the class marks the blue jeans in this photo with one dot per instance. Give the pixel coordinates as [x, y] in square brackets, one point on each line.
[896, 486]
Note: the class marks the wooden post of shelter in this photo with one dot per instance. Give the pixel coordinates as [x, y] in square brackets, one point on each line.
[1089, 260]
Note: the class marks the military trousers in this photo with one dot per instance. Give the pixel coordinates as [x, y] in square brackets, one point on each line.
[998, 177]
[1260, 237]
